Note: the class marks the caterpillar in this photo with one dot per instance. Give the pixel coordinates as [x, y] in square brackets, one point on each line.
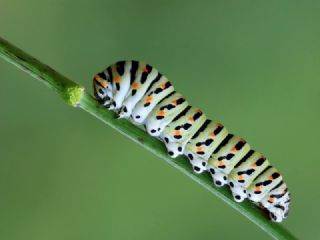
[138, 92]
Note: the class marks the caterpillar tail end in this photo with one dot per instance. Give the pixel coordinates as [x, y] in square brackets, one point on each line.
[278, 212]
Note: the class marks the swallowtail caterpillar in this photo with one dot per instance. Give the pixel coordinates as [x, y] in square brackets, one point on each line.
[138, 92]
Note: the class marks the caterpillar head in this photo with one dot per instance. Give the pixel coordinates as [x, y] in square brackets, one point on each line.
[102, 88]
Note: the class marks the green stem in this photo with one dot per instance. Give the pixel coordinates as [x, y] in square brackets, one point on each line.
[70, 91]
[74, 95]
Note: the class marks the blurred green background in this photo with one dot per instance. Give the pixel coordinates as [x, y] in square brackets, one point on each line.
[253, 65]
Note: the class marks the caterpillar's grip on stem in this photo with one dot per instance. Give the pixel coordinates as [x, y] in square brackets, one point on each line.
[53, 79]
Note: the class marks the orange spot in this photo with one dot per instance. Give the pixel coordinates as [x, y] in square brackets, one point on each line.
[117, 79]
[163, 86]
[177, 133]
[174, 102]
[270, 199]
[221, 163]
[254, 165]
[145, 70]
[97, 78]
[212, 135]
[270, 177]
[241, 177]
[191, 120]
[258, 189]
[104, 83]
[148, 99]
[161, 113]
[200, 149]
[135, 86]
[234, 150]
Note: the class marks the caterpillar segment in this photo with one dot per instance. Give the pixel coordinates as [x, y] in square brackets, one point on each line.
[164, 113]
[142, 76]
[156, 92]
[120, 84]
[226, 157]
[200, 147]
[263, 184]
[244, 172]
[181, 129]
[138, 92]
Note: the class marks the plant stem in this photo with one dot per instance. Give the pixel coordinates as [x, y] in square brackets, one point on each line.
[74, 95]
[70, 91]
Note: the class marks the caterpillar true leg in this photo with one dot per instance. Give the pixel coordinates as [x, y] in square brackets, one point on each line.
[137, 91]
